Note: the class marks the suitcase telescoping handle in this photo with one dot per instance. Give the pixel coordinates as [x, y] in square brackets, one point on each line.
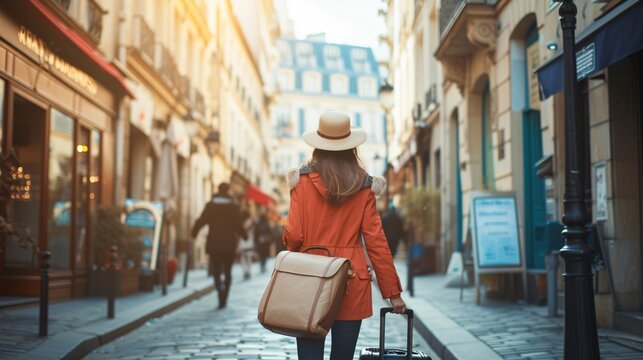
[409, 331]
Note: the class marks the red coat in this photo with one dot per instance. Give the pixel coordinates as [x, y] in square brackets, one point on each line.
[313, 221]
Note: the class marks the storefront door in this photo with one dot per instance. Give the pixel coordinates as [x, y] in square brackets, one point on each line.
[27, 139]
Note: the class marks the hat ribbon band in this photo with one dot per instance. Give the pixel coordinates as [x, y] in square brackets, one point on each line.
[334, 137]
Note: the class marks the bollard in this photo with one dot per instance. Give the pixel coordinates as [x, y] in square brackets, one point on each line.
[187, 266]
[551, 263]
[163, 272]
[409, 278]
[44, 292]
[111, 287]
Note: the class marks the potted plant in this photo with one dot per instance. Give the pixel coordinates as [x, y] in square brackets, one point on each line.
[421, 210]
[107, 231]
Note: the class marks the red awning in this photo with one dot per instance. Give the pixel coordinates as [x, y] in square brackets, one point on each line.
[52, 20]
[255, 194]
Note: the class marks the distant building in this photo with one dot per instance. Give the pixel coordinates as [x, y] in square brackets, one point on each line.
[315, 76]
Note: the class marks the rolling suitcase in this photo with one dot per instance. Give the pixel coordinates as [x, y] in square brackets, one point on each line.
[390, 354]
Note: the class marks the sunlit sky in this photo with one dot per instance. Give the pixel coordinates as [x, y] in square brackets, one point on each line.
[353, 22]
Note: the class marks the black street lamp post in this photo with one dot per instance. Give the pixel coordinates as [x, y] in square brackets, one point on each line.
[581, 340]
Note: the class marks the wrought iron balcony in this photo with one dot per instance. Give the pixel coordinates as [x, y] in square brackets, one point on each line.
[95, 20]
[430, 98]
[184, 89]
[166, 67]
[64, 4]
[198, 103]
[144, 40]
[86, 19]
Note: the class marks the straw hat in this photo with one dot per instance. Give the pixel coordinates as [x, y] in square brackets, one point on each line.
[334, 133]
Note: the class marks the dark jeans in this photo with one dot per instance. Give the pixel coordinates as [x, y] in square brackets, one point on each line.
[221, 265]
[344, 334]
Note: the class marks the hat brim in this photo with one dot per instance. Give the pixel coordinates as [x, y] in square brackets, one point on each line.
[356, 138]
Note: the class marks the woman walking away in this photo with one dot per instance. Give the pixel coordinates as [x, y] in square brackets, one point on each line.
[264, 236]
[332, 202]
[246, 246]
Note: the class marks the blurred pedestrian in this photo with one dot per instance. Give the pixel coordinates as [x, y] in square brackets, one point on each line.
[246, 247]
[264, 236]
[332, 201]
[393, 228]
[279, 235]
[223, 218]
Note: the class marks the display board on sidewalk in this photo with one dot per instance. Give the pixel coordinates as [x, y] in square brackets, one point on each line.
[495, 236]
[147, 216]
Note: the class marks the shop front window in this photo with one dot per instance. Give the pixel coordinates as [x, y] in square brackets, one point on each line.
[28, 135]
[61, 154]
[94, 184]
[82, 194]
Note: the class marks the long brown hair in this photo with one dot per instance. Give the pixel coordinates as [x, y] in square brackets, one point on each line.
[341, 171]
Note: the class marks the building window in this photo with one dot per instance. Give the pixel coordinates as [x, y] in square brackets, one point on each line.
[366, 87]
[332, 58]
[339, 84]
[61, 155]
[359, 59]
[312, 82]
[302, 121]
[286, 79]
[306, 56]
[283, 122]
[285, 53]
[358, 120]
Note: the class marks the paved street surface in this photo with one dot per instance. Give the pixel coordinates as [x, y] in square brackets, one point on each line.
[514, 331]
[200, 331]
[19, 326]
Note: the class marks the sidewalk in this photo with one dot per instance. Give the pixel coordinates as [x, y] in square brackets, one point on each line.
[79, 326]
[496, 330]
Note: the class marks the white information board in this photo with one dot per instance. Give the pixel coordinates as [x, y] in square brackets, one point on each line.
[495, 236]
[495, 226]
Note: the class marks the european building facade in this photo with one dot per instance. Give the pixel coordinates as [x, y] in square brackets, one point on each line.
[500, 129]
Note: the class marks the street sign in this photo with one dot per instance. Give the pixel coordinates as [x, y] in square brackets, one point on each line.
[585, 61]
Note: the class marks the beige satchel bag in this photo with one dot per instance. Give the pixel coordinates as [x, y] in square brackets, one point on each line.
[304, 293]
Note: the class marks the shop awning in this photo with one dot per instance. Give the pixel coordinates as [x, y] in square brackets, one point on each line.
[57, 25]
[606, 41]
[255, 194]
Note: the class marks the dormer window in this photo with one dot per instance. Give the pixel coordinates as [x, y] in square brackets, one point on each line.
[359, 58]
[285, 53]
[306, 56]
[333, 58]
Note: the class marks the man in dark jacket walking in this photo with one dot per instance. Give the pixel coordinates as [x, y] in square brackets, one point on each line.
[393, 228]
[223, 218]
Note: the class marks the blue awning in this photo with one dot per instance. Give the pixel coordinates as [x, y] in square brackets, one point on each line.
[606, 41]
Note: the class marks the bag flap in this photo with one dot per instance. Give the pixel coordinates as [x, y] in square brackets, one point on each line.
[308, 264]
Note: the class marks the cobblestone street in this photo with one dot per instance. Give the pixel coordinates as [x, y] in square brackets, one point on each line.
[515, 331]
[200, 331]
